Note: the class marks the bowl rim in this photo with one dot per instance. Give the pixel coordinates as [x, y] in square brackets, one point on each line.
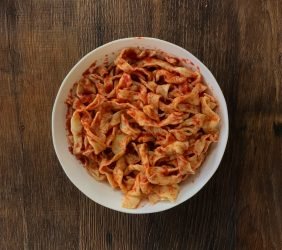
[223, 108]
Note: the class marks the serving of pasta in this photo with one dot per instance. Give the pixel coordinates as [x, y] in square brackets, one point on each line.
[143, 123]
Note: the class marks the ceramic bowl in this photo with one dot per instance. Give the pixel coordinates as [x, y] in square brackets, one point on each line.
[101, 192]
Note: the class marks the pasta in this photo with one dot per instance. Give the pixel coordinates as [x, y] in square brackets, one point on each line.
[144, 124]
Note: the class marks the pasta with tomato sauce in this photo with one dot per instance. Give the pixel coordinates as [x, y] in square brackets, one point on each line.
[144, 124]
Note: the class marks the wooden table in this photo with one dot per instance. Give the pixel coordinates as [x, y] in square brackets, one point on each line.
[240, 41]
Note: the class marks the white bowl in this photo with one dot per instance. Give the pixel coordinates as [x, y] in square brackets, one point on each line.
[101, 192]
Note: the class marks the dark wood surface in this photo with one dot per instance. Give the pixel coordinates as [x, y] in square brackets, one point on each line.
[240, 41]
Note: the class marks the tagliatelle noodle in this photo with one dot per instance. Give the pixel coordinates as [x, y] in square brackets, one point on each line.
[144, 124]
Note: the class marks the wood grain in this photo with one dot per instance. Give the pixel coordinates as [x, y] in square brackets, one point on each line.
[240, 41]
